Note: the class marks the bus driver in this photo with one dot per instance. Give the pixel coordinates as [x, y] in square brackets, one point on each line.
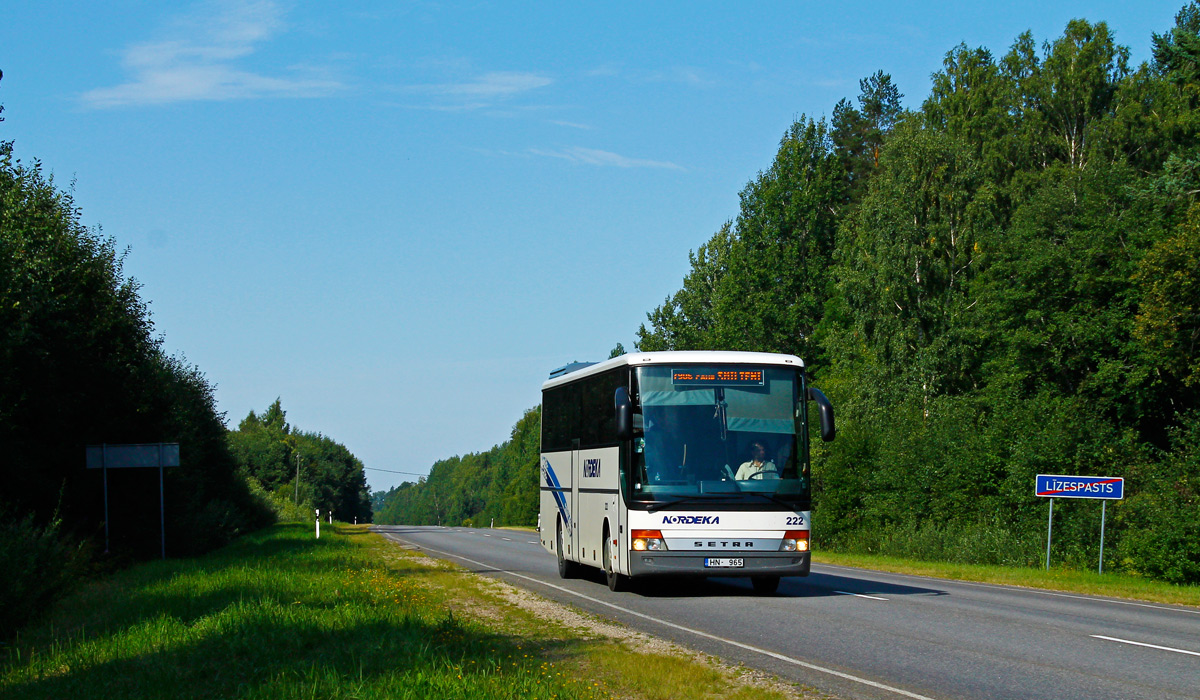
[759, 467]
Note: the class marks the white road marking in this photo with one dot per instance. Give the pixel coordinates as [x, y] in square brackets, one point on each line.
[860, 595]
[698, 633]
[506, 539]
[1143, 644]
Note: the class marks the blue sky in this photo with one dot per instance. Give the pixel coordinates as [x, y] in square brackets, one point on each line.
[399, 217]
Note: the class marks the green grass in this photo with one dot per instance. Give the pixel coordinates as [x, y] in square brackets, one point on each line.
[1056, 579]
[279, 614]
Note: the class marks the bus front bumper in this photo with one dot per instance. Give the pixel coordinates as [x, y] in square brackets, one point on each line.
[665, 563]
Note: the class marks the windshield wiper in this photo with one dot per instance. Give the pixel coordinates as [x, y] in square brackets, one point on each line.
[689, 499]
[769, 497]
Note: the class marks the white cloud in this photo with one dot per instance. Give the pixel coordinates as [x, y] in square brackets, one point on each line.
[592, 156]
[572, 125]
[492, 85]
[684, 75]
[202, 64]
[608, 70]
[481, 92]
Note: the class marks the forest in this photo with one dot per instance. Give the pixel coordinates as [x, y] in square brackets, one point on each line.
[81, 364]
[499, 485]
[1001, 282]
[300, 471]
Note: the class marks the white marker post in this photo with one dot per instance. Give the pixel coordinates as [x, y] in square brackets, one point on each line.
[318, 523]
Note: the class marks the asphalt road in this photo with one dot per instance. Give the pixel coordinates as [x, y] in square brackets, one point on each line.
[865, 634]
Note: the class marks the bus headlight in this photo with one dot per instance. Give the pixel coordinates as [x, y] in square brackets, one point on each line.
[647, 541]
[794, 541]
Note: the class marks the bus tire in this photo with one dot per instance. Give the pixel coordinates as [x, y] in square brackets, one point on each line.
[566, 569]
[616, 582]
[765, 584]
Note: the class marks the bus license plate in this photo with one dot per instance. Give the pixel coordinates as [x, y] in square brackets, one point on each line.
[711, 563]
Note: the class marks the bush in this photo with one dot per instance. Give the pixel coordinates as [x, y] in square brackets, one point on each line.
[1161, 517]
[280, 503]
[39, 565]
[986, 541]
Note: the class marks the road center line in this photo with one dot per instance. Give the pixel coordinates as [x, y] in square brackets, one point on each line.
[689, 630]
[860, 595]
[1143, 644]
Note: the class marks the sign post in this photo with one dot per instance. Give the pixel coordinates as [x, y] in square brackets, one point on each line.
[1049, 532]
[155, 454]
[1103, 505]
[1102, 488]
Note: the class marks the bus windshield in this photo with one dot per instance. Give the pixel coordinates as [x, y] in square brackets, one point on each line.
[731, 434]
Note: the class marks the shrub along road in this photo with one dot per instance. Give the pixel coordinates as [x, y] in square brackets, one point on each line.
[868, 634]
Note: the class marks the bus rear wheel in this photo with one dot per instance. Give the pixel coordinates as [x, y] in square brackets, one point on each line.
[765, 584]
[566, 569]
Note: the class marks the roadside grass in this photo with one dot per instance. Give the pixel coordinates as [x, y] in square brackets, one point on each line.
[629, 672]
[279, 614]
[1056, 579]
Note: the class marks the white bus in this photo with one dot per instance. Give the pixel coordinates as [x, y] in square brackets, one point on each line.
[679, 464]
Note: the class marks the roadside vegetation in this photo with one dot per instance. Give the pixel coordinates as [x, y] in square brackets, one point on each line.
[1000, 282]
[280, 614]
[1057, 578]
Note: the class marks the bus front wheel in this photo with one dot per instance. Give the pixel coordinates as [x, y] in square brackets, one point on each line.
[566, 569]
[616, 582]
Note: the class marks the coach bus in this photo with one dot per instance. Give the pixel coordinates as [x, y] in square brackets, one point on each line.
[679, 464]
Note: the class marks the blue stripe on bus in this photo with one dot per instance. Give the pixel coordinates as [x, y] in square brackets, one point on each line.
[559, 497]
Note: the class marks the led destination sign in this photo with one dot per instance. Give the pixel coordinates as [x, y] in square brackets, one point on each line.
[713, 376]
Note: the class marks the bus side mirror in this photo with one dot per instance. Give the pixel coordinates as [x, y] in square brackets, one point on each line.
[624, 413]
[826, 410]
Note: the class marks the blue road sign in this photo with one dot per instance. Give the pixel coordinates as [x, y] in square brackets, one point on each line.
[1110, 488]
